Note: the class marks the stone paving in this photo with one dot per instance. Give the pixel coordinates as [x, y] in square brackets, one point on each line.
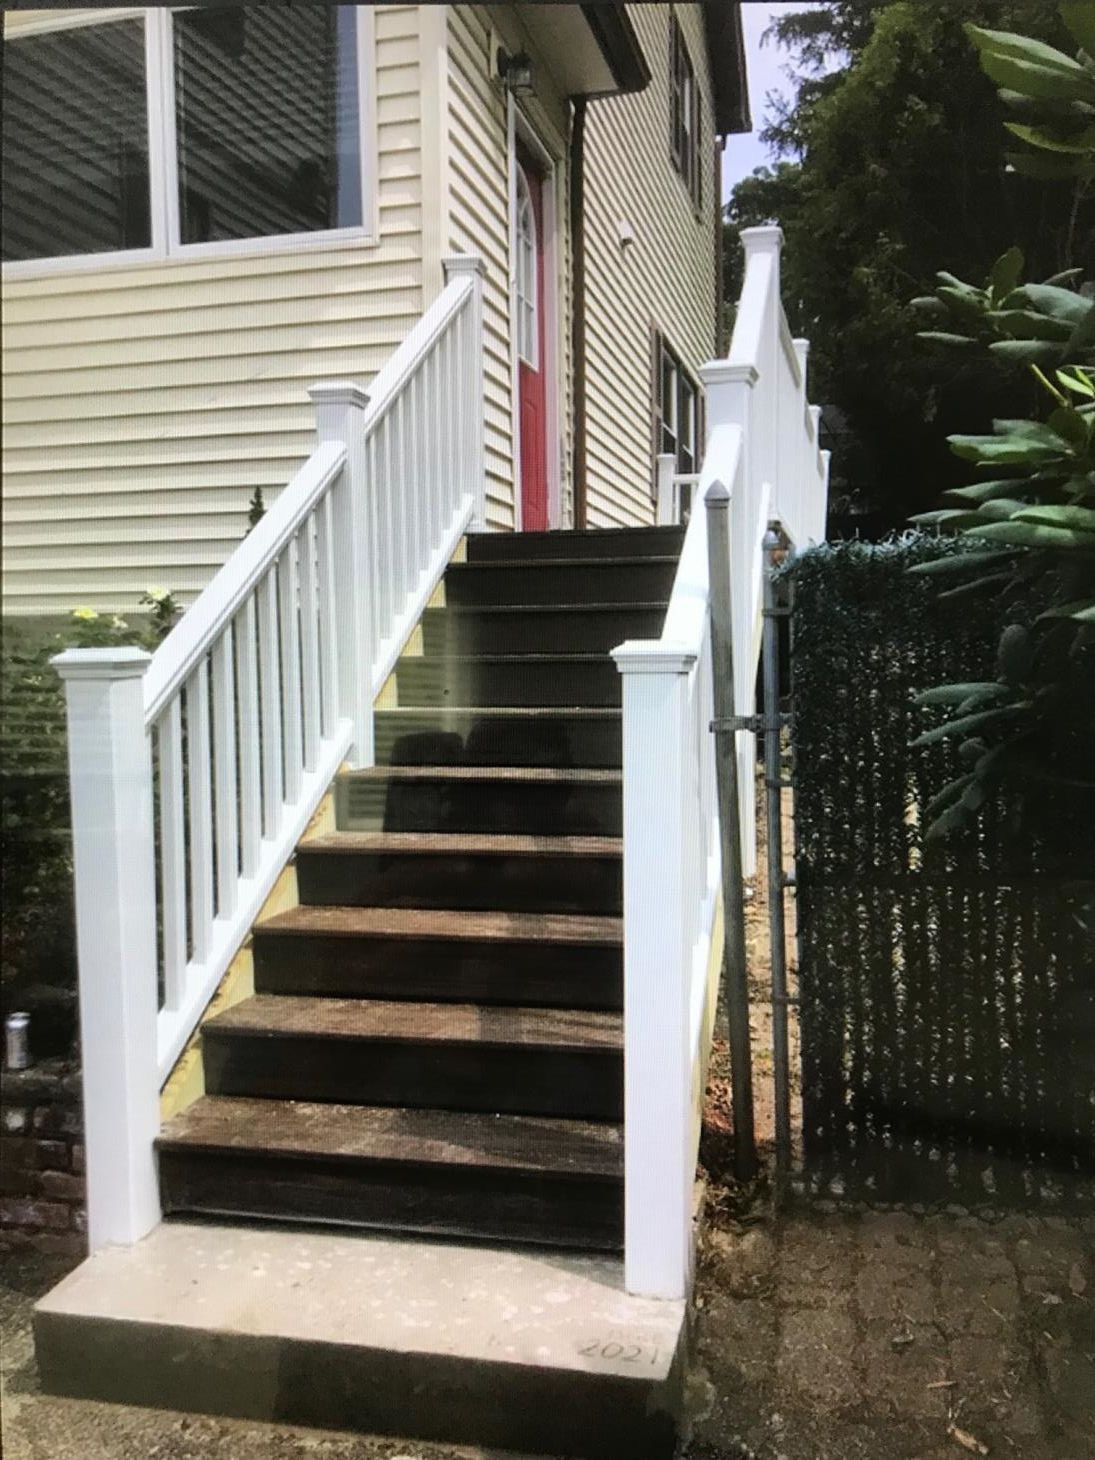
[887, 1336]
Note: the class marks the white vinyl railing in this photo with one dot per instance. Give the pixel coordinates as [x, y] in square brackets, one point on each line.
[762, 446]
[195, 771]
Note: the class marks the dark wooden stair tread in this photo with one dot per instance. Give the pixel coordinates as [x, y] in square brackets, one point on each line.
[294, 1016]
[411, 843]
[448, 925]
[578, 609]
[531, 775]
[611, 562]
[381, 1133]
[503, 712]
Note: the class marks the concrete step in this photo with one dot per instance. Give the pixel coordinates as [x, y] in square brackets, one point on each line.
[522, 799]
[594, 542]
[535, 680]
[539, 628]
[464, 871]
[623, 580]
[446, 955]
[499, 735]
[450, 1173]
[518, 1060]
[471, 1344]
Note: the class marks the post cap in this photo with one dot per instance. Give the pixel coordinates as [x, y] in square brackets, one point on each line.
[338, 393]
[653, 656]
[455, 264]
[722, 372]
[717, 496]
[768, 238]
[123, 662]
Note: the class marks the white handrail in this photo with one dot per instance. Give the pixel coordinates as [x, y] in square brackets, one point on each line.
[194, 772]
[762, 445]
[194, 634]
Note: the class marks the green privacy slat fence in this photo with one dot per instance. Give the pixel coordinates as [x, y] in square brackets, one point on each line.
[947, 989]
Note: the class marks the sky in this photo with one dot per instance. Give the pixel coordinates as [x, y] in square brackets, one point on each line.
[765, 66]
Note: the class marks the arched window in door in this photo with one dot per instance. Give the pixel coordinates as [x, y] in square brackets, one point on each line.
[528, 332]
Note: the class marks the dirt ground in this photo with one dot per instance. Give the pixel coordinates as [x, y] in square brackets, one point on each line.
[819, 1334]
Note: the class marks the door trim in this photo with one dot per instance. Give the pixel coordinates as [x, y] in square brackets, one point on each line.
[519, 128]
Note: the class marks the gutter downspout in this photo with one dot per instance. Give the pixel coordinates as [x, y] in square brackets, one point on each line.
[578, 306]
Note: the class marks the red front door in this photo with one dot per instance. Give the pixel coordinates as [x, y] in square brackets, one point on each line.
[532, 395]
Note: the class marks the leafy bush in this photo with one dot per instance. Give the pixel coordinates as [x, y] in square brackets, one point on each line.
[1032, 512]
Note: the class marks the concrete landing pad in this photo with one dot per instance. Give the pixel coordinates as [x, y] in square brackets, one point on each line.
[525, 1348]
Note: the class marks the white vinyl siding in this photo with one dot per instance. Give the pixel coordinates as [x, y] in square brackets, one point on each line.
[144, 404]
[663, 281]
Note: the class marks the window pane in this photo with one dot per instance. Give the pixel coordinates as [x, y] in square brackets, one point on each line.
[75, 151]
[268, 120]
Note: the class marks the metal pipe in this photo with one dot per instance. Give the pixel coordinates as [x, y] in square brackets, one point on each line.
[717, 500]
[776, 881]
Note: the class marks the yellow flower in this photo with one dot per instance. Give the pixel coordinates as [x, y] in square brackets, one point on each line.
[87, 614]
[157, 595]
[118, 623]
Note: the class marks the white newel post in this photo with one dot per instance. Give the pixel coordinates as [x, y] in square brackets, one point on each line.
[729, 390]
[657, 1073]
[666, 513]
[113, 840]
[456, 266]
[340, 410]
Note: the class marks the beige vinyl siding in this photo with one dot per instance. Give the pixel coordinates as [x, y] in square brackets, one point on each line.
[479, 222]
[144, 404]
[664, 280]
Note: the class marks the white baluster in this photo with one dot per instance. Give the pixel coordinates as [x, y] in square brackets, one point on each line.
[226, 809]
[173, 855]
[657, 1067]
[291, 731]
[272, 795]
[339, 407]
[309, 641]
[456, 266]
[250, 775]
[200, 815]
[328, 614]
[113, 841]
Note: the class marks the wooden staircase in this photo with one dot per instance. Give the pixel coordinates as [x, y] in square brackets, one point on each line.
[435, 1043]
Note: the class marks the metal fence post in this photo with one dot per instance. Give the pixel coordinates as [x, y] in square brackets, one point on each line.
[717, 502]
[773, 787]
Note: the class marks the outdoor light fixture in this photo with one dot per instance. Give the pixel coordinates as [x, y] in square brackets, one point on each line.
[515, 73]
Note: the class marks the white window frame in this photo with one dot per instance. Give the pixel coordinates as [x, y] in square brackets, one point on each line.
[528, 343]
[163, 156]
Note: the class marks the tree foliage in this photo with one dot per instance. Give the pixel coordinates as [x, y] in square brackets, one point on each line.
[894, 167]
[1031, 513]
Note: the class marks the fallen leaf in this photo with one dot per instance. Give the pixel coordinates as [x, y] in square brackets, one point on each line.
[967, 1441]
[1076, 1280]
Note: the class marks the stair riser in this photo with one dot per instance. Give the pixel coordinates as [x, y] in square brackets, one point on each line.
[496, 547]
[485, 584]
[587, 1084]
[562, 632]
[593, 683]
[545, 974]
[433, 739]
[370, 1390]
[498, 807]
[451, 1201]
[479, 883]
